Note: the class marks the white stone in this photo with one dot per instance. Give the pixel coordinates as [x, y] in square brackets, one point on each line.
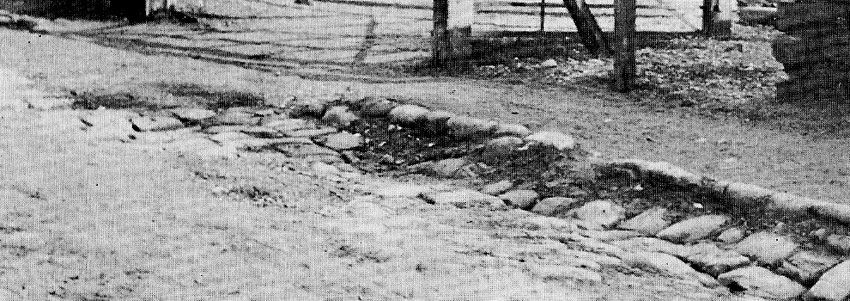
[462, 198]
[517, 130]
[648, 222]
[760, 282]
[147, 124]
[192, 114]
[767, 247]
[839, 242]
[408, 114]
[651, 244]
[523, 199]
[343, 141]
[714, 260]
[377, 107]
[550, 206]
[339, 116]
[550, 63]
[693, 229]
[667, 265]
[470, 127]
[497, 188]
[558, 140]
[731, 235]
[834, 285]
[806, 266]
[237, 116]
[502, 145]
[599, 214]
[449, 167]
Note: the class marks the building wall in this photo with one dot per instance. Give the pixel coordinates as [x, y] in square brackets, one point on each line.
[816, 52]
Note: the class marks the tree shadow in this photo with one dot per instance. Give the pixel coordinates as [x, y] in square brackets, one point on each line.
[74, 9]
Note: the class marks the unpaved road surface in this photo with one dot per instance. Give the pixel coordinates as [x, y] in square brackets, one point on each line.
[765, 153]
[89, 215]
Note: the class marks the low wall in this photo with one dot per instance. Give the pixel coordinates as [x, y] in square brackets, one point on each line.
[816, 52]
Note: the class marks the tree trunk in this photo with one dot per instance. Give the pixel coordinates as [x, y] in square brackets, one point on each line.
[624, 37]
[588, 29]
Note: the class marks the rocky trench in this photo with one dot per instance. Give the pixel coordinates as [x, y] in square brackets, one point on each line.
[659, 221]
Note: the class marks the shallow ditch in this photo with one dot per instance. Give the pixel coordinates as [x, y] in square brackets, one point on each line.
[395, 151]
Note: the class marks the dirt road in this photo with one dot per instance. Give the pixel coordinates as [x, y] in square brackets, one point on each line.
[88, 214]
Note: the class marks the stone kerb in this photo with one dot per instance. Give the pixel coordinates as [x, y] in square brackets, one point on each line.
[741, 195]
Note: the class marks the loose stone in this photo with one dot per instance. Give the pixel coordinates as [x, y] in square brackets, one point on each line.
[651, 244]
[731, 235]
[760, 282]
[806, 266]
[264, 113]
[714, 260]
[516, 130]
[839, 242]
[438, 121]
[550, 63]
[285, 124]
[237, 116]
[408, 114]
[502, 145]
[497, 188]
[192, 114]
[649, 222]
[469, 127]
[547, 222]
[834, 285]
[693, 229]
[668, 265]
[449, 167]
[558, 140]
[262, 132]
[462, 198]
[313, 108]
[343, 141]
[377, 107]
[550, 206]
[522, 199]
[150, 124]
[599, 214]
[767, 247]
[339, 116]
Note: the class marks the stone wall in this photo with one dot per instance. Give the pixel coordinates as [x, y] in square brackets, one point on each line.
[816, 51]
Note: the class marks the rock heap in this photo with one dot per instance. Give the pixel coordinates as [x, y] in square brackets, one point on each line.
[816, 51]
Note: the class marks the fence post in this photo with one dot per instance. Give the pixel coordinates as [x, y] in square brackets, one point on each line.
[452, 31]
[624, 49]
[717, 16]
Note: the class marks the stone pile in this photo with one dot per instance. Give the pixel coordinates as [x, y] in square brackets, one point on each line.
[816, 52]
